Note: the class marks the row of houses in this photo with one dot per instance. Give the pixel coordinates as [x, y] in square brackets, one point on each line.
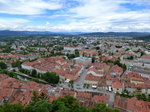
[84, 98]
[102, 75]
[109, 78]
[15, 56]
[66, 69]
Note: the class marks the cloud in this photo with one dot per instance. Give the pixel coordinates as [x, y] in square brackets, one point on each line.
[28, 7]
[78, 15]
[12, 23]
[141, 2]
[105, 15]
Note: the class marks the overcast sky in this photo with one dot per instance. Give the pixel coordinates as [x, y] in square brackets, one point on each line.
[75, 15]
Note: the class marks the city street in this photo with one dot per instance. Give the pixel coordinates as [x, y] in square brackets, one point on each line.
[78, 84]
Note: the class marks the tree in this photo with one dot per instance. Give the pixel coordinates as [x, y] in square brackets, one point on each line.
[71, 84]
[142, 97]
[125, 93]
[40, 106]
[130, 58]
[142, 53]
[67, 104]
[10, 73]
[93, 59]
[127, 49]
[101, 107]
[77, 53]
[16, 64]
[25, 71]
[7, 49]
[63, 104]
[3, 65]
[34, 73]
[97, 48]
[117, 62]
[148, 98]
[70, 56]
[35, 80]
[51, 77]
[11, 108]
[38, 97]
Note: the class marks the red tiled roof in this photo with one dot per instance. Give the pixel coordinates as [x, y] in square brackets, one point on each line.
[146, 57]
[65, 92]
[131, 104]
[132, 85]
[137, 79]
[15, 56]
[84, 95]
[135, 76]
[91, 77]
[117, 84]
[3, 76]
[103, 98]
[100, 65]
[116, 69]
[13, 89]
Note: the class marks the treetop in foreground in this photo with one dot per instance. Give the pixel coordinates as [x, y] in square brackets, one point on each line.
[64, 104]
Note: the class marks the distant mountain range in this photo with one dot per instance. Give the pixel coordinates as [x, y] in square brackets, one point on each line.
[102, 34]
[116, 34]
[8, 32]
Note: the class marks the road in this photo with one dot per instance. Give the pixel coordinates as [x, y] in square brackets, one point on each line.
[80, 81]
[78, 86]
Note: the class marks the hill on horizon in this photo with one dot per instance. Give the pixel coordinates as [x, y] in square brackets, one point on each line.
[101, 34]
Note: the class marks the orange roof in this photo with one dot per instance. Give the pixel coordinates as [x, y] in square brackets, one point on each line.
[137, 79]
[131, 104]
[117, 84]
[100, 65]
[3, 76]
[13, 89]
[92, 77]
[146, 57]
[103, 98]
[117, 69]
[84, 95]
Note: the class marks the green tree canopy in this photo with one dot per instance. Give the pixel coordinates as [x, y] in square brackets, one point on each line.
[11, 108]
[40, 106]
[3, 65]
[16, 64]
[51, 77]
[64, 104]
[34, 73]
